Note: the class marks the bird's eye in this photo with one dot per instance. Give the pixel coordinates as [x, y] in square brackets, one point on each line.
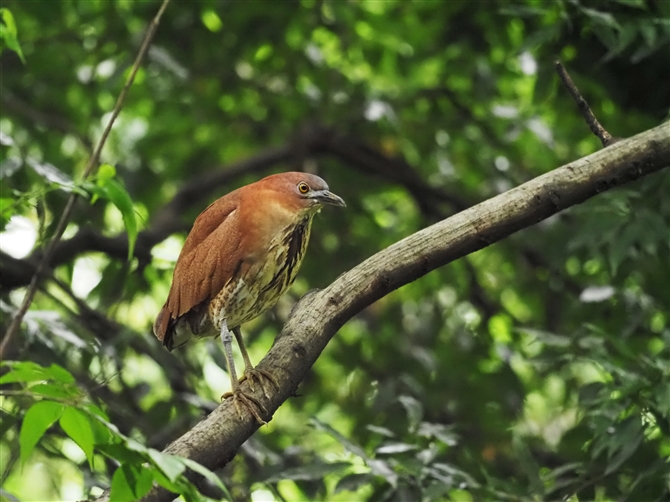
[303, 187]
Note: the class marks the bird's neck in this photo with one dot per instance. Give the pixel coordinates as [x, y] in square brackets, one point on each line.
[283, 217]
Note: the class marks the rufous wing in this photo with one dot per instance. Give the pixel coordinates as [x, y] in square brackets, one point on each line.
[209, 258]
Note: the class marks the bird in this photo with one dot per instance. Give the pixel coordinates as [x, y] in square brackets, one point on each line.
[241, 255]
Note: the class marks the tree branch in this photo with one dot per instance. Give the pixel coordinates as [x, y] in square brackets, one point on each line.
[605, 138]
[319, 314]
[352, 151]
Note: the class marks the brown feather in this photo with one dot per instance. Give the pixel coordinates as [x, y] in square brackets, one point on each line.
[199, 269]
[230, 240]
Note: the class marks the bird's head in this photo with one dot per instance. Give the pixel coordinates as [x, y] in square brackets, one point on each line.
[303, 191]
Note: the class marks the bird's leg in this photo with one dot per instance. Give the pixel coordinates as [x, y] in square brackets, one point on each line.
[251, 373]
[252, 404]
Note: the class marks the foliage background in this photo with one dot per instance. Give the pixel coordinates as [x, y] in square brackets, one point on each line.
[537, 368]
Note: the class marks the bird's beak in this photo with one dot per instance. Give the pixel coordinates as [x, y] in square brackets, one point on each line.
[327, 197]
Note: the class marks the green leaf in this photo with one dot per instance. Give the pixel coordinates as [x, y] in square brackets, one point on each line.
[121, 488]
[28, 371]
[601, 17]
[460, 495]
[353, 482]
[51, 174]
[113, 429]
[77, 425]
[8, 208]
[95, 410]
[55, 391]
[394, 448]
[8, 33]
[121, 453]
[621, 246]
[130, 482]
[113, 191]
[206, 473]
[39, 417]
[640, 4]
[381, 430]
[102, 435]
[378, 467]
[23, 372]
[440, 432]
[308, 472]
[144, 480]
[169, 465]
[625, 441]
[348, 445]
[521, 11]
[649, 34]
[133, 445]
[163, 481]
[414, 410]
[59, 373]
[7, 168]
[527, 464]
[591, 394]
[106, 172]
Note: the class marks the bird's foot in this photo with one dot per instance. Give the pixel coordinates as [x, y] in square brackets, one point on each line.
[252, 404]
[256, 374]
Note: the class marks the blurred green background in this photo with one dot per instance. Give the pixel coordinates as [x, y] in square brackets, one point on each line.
[535, 369]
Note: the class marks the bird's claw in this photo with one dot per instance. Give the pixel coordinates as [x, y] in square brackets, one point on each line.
[250, 402]
[255, 374]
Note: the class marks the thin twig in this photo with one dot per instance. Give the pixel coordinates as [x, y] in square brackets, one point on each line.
[90, 169]
[605, 138]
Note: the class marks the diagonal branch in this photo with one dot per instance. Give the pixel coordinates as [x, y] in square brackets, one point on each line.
[317, 317]
[429, 199]
[596, 128]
